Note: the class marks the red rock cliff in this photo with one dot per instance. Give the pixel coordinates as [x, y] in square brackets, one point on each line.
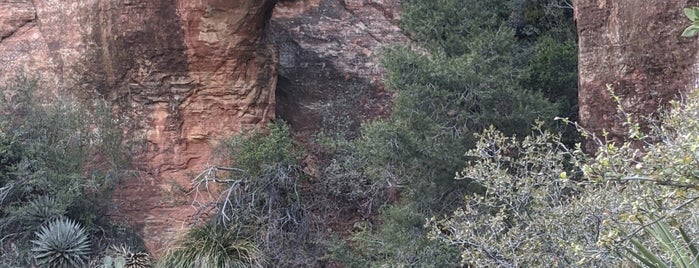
[634, 46]
[182, 73]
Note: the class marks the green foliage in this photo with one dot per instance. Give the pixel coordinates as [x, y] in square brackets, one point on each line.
[255, 151]
[399, 242]
[40, 211]
[261, 201]
[533, 19]
[472, 70]
[671, 162]
[213, 246]
[61, 243]
[53, 152]
[544, 201]
[523, 217]
[449, 25]
[553, 69]
[59, 157]
[682, 250]
[693, 15]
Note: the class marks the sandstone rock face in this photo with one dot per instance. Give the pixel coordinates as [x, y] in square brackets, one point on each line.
[637, 49]
[181, 74]
[329, 73]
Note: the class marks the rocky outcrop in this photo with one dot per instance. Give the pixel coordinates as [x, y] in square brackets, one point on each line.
[181, 74]
[329, 72]
[637, 50]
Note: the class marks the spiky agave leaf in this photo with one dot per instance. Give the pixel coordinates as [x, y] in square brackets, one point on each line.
[61, 243]
[42, 210]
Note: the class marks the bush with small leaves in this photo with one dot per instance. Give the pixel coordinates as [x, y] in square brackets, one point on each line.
[544, 201]
[61, 243]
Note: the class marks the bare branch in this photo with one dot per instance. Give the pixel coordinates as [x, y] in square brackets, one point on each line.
[564, 4]
[659, 182]
[210, 175]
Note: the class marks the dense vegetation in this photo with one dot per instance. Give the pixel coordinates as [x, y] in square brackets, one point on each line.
[475, 95]
[59, 160]
[549, 205]
[479, 64]
[482, 63]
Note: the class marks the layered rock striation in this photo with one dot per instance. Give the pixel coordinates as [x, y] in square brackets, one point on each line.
[180, 74]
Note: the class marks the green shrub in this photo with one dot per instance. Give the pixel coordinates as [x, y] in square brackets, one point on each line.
[680, 249]
[213, 246]
[254, 151]
[400, 241]
[546, 202]
[262, 201]
[57, 150]
[449, 25]
[59, 157]
[470, 72]
[553, 69]
[61, 243]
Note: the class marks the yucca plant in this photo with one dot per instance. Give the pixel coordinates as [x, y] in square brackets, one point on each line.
[213, 246]
[680, 251]
[61, 243]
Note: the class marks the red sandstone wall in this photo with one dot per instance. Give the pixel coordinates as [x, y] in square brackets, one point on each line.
[182, 74]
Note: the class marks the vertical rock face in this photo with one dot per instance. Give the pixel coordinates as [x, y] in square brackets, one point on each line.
[329, 73]
[636, 48]
[181, 73]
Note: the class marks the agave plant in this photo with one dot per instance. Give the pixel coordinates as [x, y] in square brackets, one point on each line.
[42, 210]
[61, 243]
[680, 251]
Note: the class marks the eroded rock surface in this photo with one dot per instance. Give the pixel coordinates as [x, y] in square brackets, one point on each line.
[329, 72]
[637, 49]
[182, 74]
